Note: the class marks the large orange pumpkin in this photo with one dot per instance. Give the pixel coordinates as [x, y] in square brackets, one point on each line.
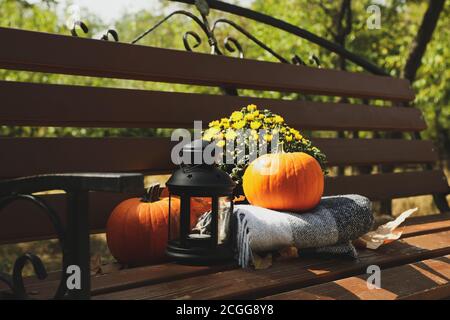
[284, 181]
[137, 229]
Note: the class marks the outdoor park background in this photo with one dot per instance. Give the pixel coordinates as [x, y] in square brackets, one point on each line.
[388, 47]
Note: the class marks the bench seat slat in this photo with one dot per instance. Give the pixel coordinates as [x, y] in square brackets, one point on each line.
[291, 274]
[382, 186]
[428, 279]
[60, 105]
[30, 156]
[43, 52]
[113, 280]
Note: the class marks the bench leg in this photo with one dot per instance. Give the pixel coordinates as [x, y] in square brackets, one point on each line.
[78, 241]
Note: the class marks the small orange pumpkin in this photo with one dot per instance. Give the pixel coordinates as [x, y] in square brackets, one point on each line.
[137, 229]
[137, 232]
[284, 181]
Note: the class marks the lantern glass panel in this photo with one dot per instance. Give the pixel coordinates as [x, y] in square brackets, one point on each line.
[200, 218]
[224, 215]
[174, 217]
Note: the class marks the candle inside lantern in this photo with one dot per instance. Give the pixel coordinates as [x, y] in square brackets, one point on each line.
[199, 236]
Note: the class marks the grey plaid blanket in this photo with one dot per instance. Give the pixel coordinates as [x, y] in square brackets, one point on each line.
[328, 228]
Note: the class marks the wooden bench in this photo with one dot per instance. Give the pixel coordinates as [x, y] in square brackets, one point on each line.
[91, 197]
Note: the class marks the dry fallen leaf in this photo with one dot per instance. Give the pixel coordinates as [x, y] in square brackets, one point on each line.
[96, 264]
[384, 233]
[111, 267]
[262, 262]
[289, 252]
[98, 268]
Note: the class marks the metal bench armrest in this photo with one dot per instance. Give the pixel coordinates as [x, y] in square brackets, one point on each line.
[74, 236]
[110, 182]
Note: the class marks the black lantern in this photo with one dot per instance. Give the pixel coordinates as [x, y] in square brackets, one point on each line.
[200, 232]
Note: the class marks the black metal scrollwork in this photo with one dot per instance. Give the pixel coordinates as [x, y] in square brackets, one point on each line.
[81, 25]
[15, 282]
[231, 44]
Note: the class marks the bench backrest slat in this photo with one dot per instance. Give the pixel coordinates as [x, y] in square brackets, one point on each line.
[30, 156]
[381, 186]
[34, 51]
[58, 105]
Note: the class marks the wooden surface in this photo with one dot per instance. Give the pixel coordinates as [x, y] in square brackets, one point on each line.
[377, 186]
[43, 52]
[417, 266]
[31, 156]
[428, 279]
[41, 105]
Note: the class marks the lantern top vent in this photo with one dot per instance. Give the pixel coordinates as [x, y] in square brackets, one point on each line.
[199, 179]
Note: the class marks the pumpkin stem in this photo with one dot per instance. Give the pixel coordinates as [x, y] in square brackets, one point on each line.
[152, 193]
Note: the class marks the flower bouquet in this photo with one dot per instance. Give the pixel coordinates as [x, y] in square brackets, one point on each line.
[249, 131]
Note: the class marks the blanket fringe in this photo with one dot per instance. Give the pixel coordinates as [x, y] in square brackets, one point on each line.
[245, 255]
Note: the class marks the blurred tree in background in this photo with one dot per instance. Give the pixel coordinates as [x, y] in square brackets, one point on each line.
[339, 21]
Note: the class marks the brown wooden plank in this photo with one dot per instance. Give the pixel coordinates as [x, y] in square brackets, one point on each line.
[37, 226]
[30, 156]
[389, 185]
[290, 274]
[114, 280]
[425, 224]
[101, 204]
[124, 279]
[57, 105]
[35, 51]
[380, 151]
[428, 279]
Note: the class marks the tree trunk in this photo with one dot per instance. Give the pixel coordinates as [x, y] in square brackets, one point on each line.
[423, 37]
[416, 53]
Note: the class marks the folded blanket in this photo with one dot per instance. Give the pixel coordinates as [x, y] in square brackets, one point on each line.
[328, 228]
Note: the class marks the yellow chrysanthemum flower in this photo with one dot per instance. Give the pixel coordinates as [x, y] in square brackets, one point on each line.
[251, 107]
[220, 143]
[255, 125]
[230, 134]
[288, 138]
[256, 113]
[239, 124]
[278, 119]
[237, 115]
[254, 134]
[293, 131]
[212, 131]
[268, 137]
[249, 117]
[283, 130]
[268, 120]
[214, 123]
[298, 136]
